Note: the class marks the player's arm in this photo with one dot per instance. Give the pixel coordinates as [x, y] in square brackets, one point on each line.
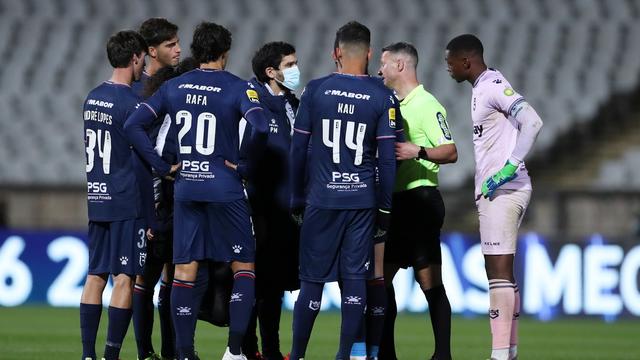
[386, 138]
[298, 155]
[135, 126]
[257, 123]
[438, 133]
[509, 102]
[243, 162]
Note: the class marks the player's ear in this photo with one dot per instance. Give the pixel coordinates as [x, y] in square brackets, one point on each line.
[369, 54]
[153, 52]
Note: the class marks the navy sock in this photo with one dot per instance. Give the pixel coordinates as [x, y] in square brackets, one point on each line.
[440, 313]
[376, 306]
[387, 344]
[304, 315]
[184, 316]
[240, 308]
[354, 301]
[143, 319]
[119, 320]
[89, 322]
[166, 324]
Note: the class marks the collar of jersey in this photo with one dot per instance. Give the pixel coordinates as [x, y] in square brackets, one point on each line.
[116, 84]
[351, 75]
[482, 75]
[412, 94]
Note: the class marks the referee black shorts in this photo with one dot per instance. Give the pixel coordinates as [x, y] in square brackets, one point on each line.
[414, 236]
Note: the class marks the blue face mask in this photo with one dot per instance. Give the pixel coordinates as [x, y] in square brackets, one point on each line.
[291, 77]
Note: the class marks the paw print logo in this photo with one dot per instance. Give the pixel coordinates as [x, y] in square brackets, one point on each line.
[237, 249]
[124, 260]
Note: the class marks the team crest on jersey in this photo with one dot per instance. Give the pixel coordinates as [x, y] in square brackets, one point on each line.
[392, 118]
[509, 91]
[253, 96]
[443, 126]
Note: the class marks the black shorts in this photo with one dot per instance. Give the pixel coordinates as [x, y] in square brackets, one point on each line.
[414, 236]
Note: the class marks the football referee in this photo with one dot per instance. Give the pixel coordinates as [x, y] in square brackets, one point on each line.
[418, 209]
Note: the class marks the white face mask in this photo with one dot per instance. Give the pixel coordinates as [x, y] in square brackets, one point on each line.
[291, 77]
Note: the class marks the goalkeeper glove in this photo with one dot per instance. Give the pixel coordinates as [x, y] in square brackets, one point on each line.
[506, 174]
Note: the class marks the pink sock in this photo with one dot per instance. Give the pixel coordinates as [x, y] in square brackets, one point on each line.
[516, 315]
[501, 304]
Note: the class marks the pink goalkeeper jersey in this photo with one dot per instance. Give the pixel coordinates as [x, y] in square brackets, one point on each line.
[495, 131]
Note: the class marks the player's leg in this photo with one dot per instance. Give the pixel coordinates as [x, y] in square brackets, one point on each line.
[90, 313]
[167, 332]
[428, 209]
[91, 300]
[319, 242]
[119, 314]
[387, 349]
[143, 303]
[263, 281]
[356, 258]
[241, 304]
[190, 279]
[500, 217]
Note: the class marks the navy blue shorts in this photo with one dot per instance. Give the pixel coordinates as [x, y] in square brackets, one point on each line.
[117, 247]
[212, 231]
[336, 244]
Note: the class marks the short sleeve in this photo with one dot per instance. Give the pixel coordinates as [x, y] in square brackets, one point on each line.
[157, 102]
[303, 119]
[387, 121]
[437, 129]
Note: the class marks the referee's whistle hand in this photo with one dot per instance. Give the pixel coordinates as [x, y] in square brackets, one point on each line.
[406, 150]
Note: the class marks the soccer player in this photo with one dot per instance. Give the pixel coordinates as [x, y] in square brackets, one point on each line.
[211, 213]
[505, 128]
[418, 209]
[275, 66]
[345, 118]
[116, 229]
[163, 50]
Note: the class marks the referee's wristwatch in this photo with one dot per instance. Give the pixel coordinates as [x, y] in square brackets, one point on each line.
[422, 154]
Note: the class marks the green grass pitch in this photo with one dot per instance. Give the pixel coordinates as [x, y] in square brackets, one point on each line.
[50, 333]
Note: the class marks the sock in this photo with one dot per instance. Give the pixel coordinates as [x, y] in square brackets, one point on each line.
[513, 343]
[269, 312]
[240, 308]
[184, 316]
[167, 333]
[119, 320]
[440, 314]
[354, 301]
[387, 344]
[304, 315]
[250, 339]
[89, 322]
[501, 305]
[376, 307]
[143, 319]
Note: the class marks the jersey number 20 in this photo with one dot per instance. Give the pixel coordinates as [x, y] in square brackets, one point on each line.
[205, 142]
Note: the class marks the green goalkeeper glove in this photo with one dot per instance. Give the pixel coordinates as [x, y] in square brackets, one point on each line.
[506, 174]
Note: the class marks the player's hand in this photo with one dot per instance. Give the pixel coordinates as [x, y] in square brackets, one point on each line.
[297, 214]
[506, 174]
[172, 172]
[149, 234]
[383, 220]
[406, 150]
[231, 165]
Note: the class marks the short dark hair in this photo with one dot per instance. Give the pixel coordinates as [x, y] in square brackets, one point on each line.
[404, 48]
[210, 41]
[155, 31]
[270, 55]
[465, 43]
[354, 33]
[122, 46]
[166, 73]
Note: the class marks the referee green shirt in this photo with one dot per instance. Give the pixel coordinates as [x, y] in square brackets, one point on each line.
[425, 124]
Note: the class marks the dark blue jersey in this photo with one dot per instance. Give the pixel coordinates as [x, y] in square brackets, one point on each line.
[347, 119]
[112, 187]
[138, 85]
[205, 107]
[269, 185]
